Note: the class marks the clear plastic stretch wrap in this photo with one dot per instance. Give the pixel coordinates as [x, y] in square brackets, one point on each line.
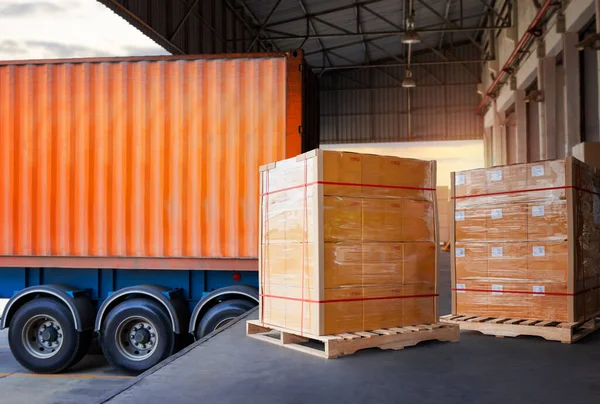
[348, 243]
[527, 240]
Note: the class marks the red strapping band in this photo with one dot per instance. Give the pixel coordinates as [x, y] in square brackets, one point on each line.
[351, 184]
[526, 292]
[357, 299]
[519, 191]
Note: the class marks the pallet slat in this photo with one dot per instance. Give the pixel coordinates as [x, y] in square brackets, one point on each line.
[566, 333]
[395, 338]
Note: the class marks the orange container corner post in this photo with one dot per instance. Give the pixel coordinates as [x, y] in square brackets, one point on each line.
[144, 158]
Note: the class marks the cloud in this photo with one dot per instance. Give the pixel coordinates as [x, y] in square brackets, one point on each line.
[144, 50]
[64, 50]
[11, 47]
[28, 8]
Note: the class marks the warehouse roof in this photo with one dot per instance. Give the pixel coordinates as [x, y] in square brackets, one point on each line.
[333, 33]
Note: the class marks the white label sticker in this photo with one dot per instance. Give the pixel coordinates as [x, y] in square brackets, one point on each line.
[496, 175]
[459, 252]
[539, 251]
[537, 211]
[496, 213]
[496, 251]
[539, 290]
[459, 216]
[460, 286]
[537, 171]
[497, 289]
[459, 179]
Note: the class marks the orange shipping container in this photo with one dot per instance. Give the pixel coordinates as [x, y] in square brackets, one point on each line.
[153, 158]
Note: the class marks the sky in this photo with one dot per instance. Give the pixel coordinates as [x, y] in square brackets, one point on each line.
[47, 29]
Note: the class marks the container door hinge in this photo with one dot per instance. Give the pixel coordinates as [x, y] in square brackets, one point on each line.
[301, 67]
[300, 129]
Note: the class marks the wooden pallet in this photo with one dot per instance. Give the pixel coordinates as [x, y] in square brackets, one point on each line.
[501, 327]
[333, 346]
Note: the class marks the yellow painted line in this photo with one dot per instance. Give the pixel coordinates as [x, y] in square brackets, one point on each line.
[65, 376]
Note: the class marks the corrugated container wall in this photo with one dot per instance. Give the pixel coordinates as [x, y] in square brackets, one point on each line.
[148, 158]
[370, 105]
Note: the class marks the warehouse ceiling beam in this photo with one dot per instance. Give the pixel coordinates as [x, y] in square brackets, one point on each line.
[388, 33]
[494, 12]
[320, 13]
[453, 25]
[264, 24]
[247, 25]
[359, 28]
[371, 39]
[161, 39]
[334, 26]
[193, 11]
[453, 59]
[446, 14]
[183, 20]
[400, 64]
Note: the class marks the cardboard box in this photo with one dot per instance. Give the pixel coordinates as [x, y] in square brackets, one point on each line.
[547, 220]
[417, 261]
[470, 224]
[418, 221]
[342, 168]
[540, 237]
[507, 262]
[506, 222]
[342, 219]
[382, 264]
[352, 255]
[471, 261]
[381, 220]
[342, 265]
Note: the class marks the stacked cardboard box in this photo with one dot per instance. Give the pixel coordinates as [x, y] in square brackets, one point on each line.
[348, 243]
[526, 240]
[443, 205]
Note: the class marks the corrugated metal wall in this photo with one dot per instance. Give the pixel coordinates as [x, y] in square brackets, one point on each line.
[369, 105]
[156, 159]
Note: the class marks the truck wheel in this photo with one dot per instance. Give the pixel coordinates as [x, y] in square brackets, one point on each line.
[43, 338]
[222, 314]
[137, 335]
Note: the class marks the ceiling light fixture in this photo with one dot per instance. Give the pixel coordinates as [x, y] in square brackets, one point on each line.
[410, 36]
[408, 81]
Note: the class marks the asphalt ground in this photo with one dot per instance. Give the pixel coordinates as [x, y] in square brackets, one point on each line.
[85, 383]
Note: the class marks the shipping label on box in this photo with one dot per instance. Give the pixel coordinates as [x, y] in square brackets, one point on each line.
[537, 211]
[496, 251]
[496, 214]
[539, 251]
[537, 170]
[459, 252]
[497, 289]
[460, 286]
[539, 290]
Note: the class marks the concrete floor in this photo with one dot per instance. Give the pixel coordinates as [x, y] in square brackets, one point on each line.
[231, 368]
[87, 382]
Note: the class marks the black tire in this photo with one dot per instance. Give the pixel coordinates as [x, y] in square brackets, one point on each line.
[215, 317]
[73, 345]
[85, 338]
[161, 323]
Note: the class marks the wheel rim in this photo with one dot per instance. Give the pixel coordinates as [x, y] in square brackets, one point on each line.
[42, 336]
[136, 338]
[224, 322]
